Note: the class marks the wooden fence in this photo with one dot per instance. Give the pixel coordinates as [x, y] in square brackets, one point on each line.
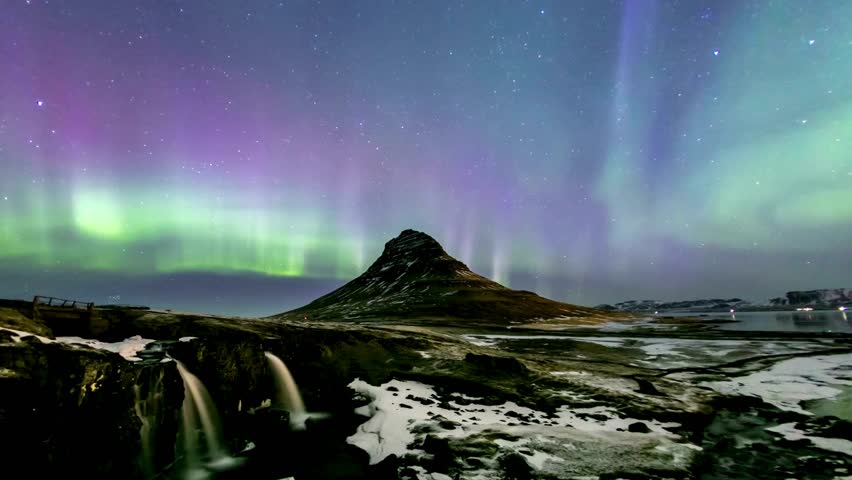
[40, 300]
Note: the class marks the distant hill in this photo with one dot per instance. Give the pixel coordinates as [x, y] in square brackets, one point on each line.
[415, 279]
[650, 306]
[822, 298]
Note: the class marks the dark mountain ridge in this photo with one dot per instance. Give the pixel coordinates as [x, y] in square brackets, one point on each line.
[416, 279]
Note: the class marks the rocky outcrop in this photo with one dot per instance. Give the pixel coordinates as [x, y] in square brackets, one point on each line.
[778, 302]
[20, 315]
[827, 297]
[416, 280]
[68, 409]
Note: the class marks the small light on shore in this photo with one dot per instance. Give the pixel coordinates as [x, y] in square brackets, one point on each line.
[842, 309]
[733, 311]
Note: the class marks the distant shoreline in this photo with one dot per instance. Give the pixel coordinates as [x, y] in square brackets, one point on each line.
[742, 310]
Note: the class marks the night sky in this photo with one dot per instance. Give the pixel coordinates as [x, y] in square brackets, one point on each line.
[248, 156]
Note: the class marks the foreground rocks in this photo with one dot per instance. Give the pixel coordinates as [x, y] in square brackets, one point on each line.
[397, 402]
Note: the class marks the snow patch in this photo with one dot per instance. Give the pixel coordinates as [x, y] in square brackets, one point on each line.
[127, 348]
[524, 446]
[422, 474]
[19, 334]
[790, 432]
[476, 340]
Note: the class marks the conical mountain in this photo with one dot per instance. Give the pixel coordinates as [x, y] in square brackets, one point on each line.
[414, 279]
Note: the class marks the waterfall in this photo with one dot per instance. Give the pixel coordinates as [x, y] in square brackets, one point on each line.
[197, 404]
[198, 409]
[288, 395]
[148, 406]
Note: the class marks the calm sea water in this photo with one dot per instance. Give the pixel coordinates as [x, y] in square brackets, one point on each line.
[816, 321]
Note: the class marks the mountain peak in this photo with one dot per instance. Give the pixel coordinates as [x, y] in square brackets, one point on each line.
[415, 279]
[413, 244]
[413, 254]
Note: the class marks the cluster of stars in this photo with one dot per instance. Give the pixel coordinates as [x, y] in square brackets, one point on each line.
[594, 128]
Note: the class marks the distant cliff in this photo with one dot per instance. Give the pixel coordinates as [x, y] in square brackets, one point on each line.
[712, 304]
[826, 297]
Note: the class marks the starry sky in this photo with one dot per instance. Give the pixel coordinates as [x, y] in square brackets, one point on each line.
[246, 157]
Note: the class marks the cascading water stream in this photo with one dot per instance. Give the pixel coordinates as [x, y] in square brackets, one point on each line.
[197, 401]
[198, 409]
[148, 408]
[288, 395]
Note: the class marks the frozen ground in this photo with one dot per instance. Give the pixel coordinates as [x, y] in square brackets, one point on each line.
[790, 432]
[127, 348]
[792, 384]
[569, 441]
[789, 383]
[665, 353]
[17, 335]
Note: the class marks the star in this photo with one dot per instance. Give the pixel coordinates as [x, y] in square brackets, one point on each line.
[811, 42]
[40, 102]
[715, 53]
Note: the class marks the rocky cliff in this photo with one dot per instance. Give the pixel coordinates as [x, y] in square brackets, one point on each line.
[826, 297]
[108, 408]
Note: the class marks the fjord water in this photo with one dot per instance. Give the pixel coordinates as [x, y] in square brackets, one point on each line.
[815, 321]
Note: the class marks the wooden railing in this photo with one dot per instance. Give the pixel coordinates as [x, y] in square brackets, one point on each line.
[61, 302]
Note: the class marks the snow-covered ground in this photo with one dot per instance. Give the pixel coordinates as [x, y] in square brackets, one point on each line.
[402, 413]
[786, 384]
[790, 432]
[17, 335]
[790, 382]
[666, 352]
[127, 348]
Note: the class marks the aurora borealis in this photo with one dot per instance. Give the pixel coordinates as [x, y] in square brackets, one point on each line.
[590, 151]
